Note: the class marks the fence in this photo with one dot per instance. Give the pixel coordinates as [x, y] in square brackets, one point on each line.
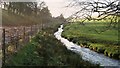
[16, 37]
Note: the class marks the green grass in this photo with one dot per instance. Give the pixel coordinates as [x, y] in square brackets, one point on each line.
[86, 36]
[46, 50]
[26, 56]
[11, 19]
[88, 31]
[108, 50]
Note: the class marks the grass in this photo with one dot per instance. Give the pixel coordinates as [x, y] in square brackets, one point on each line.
[26, 55]
[88, 31]
[86, 36]
[108, 50]
[11, 19]
[42, 51]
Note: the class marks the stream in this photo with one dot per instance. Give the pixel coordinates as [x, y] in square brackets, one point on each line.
[86, 53]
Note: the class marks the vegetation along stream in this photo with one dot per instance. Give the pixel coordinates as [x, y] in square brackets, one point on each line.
[86, 53]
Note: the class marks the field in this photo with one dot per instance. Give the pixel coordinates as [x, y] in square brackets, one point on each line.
[11, 19]
[39, 47]
[42, 51]
[94, 36]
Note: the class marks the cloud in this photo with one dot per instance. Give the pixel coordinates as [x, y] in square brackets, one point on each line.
[57, 7]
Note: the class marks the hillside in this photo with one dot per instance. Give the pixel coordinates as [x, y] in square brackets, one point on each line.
[10, 19]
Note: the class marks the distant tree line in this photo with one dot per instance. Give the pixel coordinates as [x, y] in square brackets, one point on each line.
[38, 10]
[61, 19]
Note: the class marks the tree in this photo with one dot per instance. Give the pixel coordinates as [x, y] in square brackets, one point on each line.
[61, 18]
[45, 15]
[105, 9]
[34, 9]
[21, 8]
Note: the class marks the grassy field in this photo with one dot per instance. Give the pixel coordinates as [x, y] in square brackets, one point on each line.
[42, 51]
[11, 19]
[89, 31]
[87, 35]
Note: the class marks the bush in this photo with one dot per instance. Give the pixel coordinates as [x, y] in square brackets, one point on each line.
[46, 50]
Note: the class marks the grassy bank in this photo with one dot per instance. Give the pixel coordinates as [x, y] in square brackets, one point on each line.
[86, 36]
[46, 50]
[11, 19]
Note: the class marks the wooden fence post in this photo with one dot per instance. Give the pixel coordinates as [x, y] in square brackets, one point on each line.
[31, 32]
[17, 40]
[39, 28]
[3, 48]
[24, 34]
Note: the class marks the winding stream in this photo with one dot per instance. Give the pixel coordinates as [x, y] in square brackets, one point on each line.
[86, 53]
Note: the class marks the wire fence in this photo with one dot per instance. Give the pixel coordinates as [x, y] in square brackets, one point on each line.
[14, 38]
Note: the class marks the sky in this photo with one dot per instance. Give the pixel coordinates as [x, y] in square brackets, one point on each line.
[57, 7]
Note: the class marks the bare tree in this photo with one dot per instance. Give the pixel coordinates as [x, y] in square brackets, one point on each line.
[103, 8]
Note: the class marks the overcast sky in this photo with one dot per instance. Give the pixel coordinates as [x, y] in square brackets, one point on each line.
[57, 7]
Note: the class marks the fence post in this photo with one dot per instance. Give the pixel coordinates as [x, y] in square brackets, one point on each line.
[34, 29]
[17, 40]
[24, 34]
[3, 48]
[31, 32]
[39, 28]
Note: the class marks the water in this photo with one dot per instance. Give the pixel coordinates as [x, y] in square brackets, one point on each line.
[86, 53]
